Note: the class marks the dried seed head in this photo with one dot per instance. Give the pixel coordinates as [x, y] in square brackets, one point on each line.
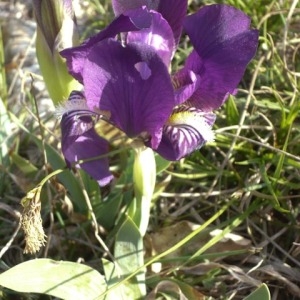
[32, 226]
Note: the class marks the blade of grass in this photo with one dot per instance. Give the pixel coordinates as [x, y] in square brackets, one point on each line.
[3, 89]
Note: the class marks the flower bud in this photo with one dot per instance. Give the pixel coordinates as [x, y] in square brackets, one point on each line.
[56, 30]
[144, 177]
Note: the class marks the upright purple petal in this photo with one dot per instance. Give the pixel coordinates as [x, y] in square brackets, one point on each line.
[129, 21]
[188, 129]
[120, 6]
[224, 45]
[132, 85]
[173, 11]
[158, 35]
[80, 141]
[185, 82]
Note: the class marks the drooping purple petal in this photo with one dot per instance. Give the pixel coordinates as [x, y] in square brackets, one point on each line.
[129, 21]
[173, 11]
[132, 85]
[224, 45]
[158, 35]
[187, 130]
[80, 141]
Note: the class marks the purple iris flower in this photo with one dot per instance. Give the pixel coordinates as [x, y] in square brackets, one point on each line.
[124, 70]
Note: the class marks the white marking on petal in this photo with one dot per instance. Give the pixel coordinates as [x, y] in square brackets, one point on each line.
[143, 69]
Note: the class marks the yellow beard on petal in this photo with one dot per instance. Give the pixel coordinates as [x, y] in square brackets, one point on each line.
[195, 120]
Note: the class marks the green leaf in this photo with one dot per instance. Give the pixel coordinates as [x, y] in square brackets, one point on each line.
[107, 211]
[67, 178]
[25, 166]
[91, 186]
[275, 201]
[232, 113]
[261, 293]
[129, 254]
[161, 163]
[3, 85]
[63, 279]
[117, 291]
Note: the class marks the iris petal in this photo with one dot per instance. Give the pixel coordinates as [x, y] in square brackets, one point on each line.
[80, 141]
[132, 84]
[158, 35]
[185, 82]
[173, 11]
[120, 6]
[224, 45]
[129, 21]
[188, 130]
